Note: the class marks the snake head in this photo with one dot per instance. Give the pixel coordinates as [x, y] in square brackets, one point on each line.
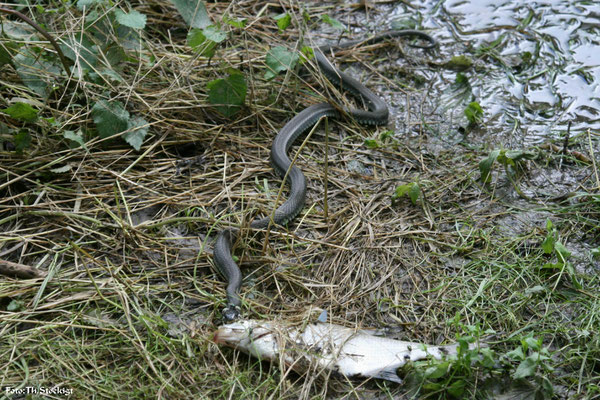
[230, 314]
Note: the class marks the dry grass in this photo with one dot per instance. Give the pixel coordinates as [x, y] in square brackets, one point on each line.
[129, 304]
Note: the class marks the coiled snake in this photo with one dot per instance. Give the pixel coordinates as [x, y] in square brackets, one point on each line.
[377, 114]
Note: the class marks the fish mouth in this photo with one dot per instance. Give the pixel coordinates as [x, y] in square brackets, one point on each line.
[223, 336]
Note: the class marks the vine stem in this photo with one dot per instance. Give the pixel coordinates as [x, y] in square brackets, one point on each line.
[44, 33]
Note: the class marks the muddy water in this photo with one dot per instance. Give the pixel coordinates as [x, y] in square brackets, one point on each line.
[544, 65]
[536, 63]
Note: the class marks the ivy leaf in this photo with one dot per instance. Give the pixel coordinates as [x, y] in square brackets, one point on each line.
[333, 22]
[193, 12]
[133, 19]
[228, 95]
[22, 112]
[137, 131]
[525, 369]
[280, 59]
[485, 166]
[110, 118]
[474, 113]
[283, 21]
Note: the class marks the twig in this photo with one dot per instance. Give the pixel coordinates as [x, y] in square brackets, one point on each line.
[44, 33]
[9, 268]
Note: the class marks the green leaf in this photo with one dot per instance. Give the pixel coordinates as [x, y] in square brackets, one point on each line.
[485, 166]
[22, 112]
[214, 33]
[535, 289]
[137, 131]
[558, 265]
[414, 192]
[193, 12]
[516, 354]
[280, 59]
[548, 224]
[411, 189]
[432, 386]
[22, 141]
[200, 43]
[14, 305]
[457, 389]
[474, 113]
[517, 155]
[133, 19]
[526, 368]
[386, 135]
[562, 251]
[19, 31]
[437, 371]
[333, 22]
[76, 137]
[36, 73]
[548, 243]
[371, 143]
[229, 94]
[87, 3]
[487, 357]
[81, 49]
[110, 118]
[573, 274]
[283, 21]
[533, 343]
[236, 23]
[459, 63]
[6, 52]
[308, 53]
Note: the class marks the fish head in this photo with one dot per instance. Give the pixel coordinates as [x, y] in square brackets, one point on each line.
[250, 336]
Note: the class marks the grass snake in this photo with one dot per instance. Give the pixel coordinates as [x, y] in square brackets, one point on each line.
[376, 114]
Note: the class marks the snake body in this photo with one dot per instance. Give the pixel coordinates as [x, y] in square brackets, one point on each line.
[377, 114]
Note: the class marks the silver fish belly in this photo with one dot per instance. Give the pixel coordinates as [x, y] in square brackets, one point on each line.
[329, 347]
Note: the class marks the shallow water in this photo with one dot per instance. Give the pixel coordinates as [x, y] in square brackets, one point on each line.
[526, 101]
[537, 63]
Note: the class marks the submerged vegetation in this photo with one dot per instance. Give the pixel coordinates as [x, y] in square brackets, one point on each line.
[132, 132]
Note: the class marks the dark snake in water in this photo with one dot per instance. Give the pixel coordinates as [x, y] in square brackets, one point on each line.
[377, 114]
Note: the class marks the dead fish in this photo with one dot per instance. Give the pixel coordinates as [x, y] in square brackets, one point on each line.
[330, 347]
